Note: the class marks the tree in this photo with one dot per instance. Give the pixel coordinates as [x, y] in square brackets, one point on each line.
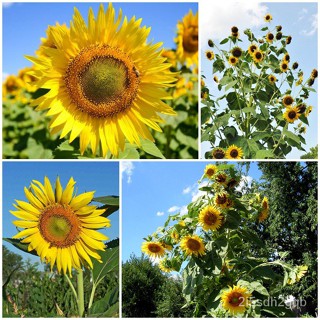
[292, 224]
[312, 154]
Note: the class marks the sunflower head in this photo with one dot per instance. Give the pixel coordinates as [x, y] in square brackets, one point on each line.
[231, 183]
[314, 74]
[236, 299]
[234, 29]
[210, 43]
[209, 55]
[257, 56]
[104, 88]
[221, 178]
[218, 153]
[263, 215]
[234, 152]
[252, 48]
[270, 37]
[284, 66]
[279, 35]
[295, 65]
[60, 226]
[287, 100]
[235, 35]
[233, 60]
[216, 79]
[203, 84]
[286, 57]
[210, 218]
[236, 52]
[288, 40]
[291, 114]
[278, 28]
[192, 245]
[221, 200]
[308, 111]
[272, 78]
[310, 82]
[268, 17]
[302, 107]
[153, 249]
[164, 265]
[187, 39]
[210, 170]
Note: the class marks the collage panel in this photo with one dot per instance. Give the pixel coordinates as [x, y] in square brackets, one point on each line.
[100, 80]
[219, 239]
[259, 83]
[60, 249]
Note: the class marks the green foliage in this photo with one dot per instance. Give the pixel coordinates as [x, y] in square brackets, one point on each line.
[312, 154]
[251, 104]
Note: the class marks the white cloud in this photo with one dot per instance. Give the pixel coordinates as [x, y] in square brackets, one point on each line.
[127, 170]
[186, 190]
[173, 209]
[196, 193]
[302, 14]
[160, 213]
[218, 17]
[245, 181]
[7, 4]
[313, 26]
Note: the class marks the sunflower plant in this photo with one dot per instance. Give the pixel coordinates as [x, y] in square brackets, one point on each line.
[263, 110]
[227, 270]
[62, 229]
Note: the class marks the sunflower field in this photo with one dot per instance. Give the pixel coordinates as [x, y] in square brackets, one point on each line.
[263, 110]
[81, 268]
[227, 270]
[92, 93]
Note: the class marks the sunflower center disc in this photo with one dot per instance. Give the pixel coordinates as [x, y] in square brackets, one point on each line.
[59, 226]
[210, 172]
[154, 248]
[234, 153]
[193, 245]
[190, 39]
[102, 81]
[211, 219]
[292, 114]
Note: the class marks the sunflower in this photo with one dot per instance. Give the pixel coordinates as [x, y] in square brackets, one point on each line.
[263, 215]
[279, 35]
[221, 200]
[291, 114]
[286, 57]
[302, 107]
[268, 17]
[270, 37]
[284, 67]
[279, 28]
[272, 78]
[257, 56]
[310, 82]
[153, 249]
[59, 226]
[209, 55]
[299, 82]
[252, 48]
[314, 74]
[221, 178]
[103, 86]
[236, 52]
[175, 235]
[287, 100]
[235, 35]
[203, 84]
[187, 39]
[210, 43]
[216, 79]
[192, 245]
[265, 203]
[236, 299]
[233, 60]
[11, 85]
[210, 218]
[163, 266]
[232, 183]
[218, 153]
[234, 152]
[308, 111]
[295, 65]
[288, 40]
[167, 247]
[210, 170]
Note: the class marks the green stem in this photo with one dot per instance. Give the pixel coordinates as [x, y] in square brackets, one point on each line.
[72, 287]
[80, 299]
[92, 294]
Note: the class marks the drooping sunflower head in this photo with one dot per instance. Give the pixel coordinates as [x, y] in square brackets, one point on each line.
[233, 60]
[278, 28]
[279, 35]
[221, 178]
[106, 81]
[288, 40]
[291, 114]
[236, 299]
[302, 107]
[265, 203]
[310, 82]
[210, 170]
[272, 78]
[263, 215]
[295, 65]
[60, 226]
[284, 66]
[287, 100]
[11, 85]
[218, 153]
[192, 245]
[216, 79]
[308, 111]
[236, 52]
[231, 183]
[210, 218]
[187, 39]
[153, 249]
[209, 55]
[314, 74]
[252, 48]
[268, 17]
[164, 265]
[221, 200]
[234, 152]
[257, 56]
[270, 37]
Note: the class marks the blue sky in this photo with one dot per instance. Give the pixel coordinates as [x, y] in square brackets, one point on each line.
[297, 19]
[89, 176]
[151, 190]
[25, 23]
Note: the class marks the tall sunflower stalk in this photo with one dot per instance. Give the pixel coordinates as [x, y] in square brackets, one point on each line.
[264, 107]
[227, 270]
[62, 229]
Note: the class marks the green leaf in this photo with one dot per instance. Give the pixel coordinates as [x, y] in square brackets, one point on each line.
[218, 66]
[110, 263]
[21, 246]
[264, 154]
[257, 286]
[224, 41]
[130, 152]
[264, 29]
[108, 306]
[149, 147]
[291, 135]
[231, 85]
[205, 114]
[108, 200]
